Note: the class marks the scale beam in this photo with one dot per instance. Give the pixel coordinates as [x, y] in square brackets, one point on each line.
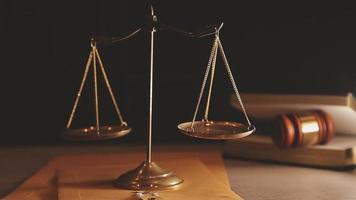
[152, 22]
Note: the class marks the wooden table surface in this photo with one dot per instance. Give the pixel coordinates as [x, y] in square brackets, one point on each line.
[251, 180]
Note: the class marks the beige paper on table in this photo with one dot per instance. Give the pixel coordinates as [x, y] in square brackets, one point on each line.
[95, 182]
[43, 184]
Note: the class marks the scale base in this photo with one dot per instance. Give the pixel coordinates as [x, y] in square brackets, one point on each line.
[148, 176]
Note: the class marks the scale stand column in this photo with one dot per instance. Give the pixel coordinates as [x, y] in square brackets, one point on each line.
[148, 175]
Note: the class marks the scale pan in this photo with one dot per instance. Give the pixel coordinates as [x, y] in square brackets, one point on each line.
[216, 130]
[91, 133]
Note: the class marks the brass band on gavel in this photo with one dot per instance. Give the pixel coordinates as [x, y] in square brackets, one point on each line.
[303, 128]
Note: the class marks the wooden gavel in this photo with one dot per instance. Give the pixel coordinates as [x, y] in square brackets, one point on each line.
[303, 128]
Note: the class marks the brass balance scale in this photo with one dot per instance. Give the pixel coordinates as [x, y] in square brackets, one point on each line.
[148, 176]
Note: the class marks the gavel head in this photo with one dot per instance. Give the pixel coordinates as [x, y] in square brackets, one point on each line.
[303, 128]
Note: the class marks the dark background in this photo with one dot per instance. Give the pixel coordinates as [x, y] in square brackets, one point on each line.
[284, 47]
